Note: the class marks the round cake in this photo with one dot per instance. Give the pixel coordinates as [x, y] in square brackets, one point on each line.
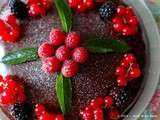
[96, 78]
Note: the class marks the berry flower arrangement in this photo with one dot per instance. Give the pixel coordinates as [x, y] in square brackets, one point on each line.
[64, 53]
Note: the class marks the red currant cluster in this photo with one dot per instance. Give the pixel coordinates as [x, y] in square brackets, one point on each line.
[84, 5]
[42, 114]
[94, 111]
[11, 91]
[38, 7]
[9, 29]
[53, 54]
[128, 70]
[125, 21]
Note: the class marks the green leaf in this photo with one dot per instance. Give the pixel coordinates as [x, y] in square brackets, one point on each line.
[106, 45]
[20, 56]
[65, 14]
[64, 93]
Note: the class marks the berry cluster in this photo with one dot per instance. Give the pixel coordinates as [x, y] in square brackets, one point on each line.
[94, 111]
[55, 53]
[42, 114]
[128, 70]
[9, 29]
[84, 5]
[38, 7]
[125, 22]
[11, 91]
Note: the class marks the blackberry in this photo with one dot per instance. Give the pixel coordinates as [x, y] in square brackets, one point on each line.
[22, 111]
[18, 8]
[119, 95]
[107, 10]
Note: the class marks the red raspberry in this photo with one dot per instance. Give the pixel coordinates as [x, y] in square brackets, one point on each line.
[57, 37]
[135, 72]
[98, 114]
[2, 26]
[51, 65]
[47, 4]
[81, 7]
[59, 117]
[96, 103]
[122, 81]
[108, 101]
[121, 10]
[121, 70]
[80, 55]
[36, 9]
[39, 109]
[72, 40]
[14, 34]
[74, 3]
[69, 68]
[113, 115]
[46, 50]
[63, 53]
[89, 4]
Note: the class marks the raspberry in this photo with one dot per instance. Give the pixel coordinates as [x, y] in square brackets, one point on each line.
[57, 37]
[59, 117]
[46, 116]
[133, 21]
[35, 10]
[63, 53]
[96, 103]
[108, 101]
[80, 55]
[30, 2]
[87, 113]
[51, 65]
[46, 50]
[69, 68]
[72, 40]
[129, 12]
[39, 109]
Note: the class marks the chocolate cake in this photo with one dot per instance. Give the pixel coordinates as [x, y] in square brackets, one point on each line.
[96, 77]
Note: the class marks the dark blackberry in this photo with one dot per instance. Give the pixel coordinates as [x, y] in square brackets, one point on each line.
[22, 111]
[119, 95]
[107, 10]
[18, 8]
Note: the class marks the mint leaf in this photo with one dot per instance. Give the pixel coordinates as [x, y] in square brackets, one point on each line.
[65, 14]
[20, 56]
[64, 92]
[106, 45]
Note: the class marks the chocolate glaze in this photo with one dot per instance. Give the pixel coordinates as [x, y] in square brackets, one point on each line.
[95, 77]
